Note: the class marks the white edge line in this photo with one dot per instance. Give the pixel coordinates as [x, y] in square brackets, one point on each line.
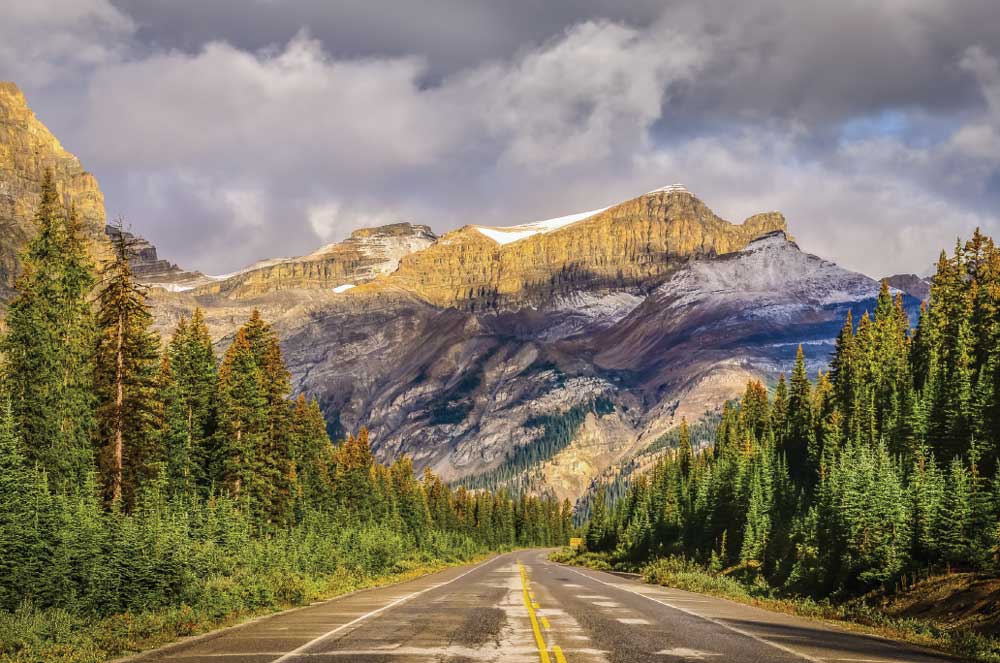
[302, 650]
[787, 650]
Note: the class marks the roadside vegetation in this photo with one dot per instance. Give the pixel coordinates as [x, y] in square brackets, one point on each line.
[152, 492]
[831, 495]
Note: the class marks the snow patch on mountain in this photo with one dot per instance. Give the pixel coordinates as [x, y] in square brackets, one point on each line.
[589, 310]
[343, 288]
[510, 234]
[773, 273]
[261, 264]
[670, 188]
[174, 287]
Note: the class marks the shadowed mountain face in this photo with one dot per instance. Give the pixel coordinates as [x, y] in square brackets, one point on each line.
[462, 390]
[536, 355]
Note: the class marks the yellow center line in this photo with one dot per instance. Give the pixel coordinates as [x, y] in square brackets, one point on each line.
[545, 624]
[543, 650]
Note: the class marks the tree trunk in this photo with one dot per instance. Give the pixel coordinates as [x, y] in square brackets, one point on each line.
[117, 453]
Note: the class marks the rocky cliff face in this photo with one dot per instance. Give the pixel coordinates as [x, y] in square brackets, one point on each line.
[366, 254]
[147, 265]
[462, 390]
[632, 244]
[27, 149]
[913, 285]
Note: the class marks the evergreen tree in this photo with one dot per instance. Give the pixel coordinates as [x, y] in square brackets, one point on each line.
[188, 382]
[242, 425]
[953, 533]
[684, 453]
[16, 518]
[797, 442]
[125, 379]
[48, 345]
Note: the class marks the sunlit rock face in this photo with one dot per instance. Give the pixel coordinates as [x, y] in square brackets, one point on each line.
[631, 244]
[27, 149]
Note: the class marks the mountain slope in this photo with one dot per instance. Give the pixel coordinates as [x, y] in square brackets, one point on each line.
[462, 390]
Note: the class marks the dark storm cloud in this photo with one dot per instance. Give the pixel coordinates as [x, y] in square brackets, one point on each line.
[265, 127]
[811, 57]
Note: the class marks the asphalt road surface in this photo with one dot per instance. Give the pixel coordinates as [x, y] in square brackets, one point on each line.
[519, 607]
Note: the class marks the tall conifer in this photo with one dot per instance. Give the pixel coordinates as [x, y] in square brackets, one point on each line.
[49, 343]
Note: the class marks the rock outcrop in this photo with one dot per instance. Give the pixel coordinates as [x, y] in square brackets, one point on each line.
[632, 244]
[148, 267]
[911, 284]
[27, 149]
[365, 255]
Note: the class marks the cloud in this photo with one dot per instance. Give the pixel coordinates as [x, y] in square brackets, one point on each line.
[981, 139]
[874, 128]
[45, 42]
[299, 127]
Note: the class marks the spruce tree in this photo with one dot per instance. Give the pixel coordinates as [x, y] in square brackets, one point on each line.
[16, 517]
[314, 456]
[126, 359]
[684, 453]
[49, 343]
[242, 426]
[800, 420]
[953, 528]
[193, 380]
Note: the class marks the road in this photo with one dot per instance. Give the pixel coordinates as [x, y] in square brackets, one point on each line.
[519, 607]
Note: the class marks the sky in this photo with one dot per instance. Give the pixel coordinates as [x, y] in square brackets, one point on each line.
[227, 131]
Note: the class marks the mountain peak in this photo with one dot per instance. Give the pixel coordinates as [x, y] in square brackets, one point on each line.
[11, 95]
[671, 188]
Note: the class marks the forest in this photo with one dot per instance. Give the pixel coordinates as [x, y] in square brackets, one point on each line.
[149, 490]
[883, 467]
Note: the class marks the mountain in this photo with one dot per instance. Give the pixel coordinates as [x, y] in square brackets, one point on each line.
[915, 286]
[536, 355]
[548, 385]
[149, 268]
[27, 149]
[366, 254]
[629, 245]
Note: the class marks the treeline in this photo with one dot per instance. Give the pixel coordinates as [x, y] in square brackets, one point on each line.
[885, 465]
[135, 477]
[557, 432]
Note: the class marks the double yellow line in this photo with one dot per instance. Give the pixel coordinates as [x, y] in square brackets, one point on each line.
[529, 603]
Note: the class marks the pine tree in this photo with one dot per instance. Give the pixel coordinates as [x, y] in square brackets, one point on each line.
[191, 363]
[48, 346]
[843, 369]
[597, 526]
[314, 456]
[16, 518]
[684, 453]
[125, 379]
[800, 420]
[242, 425]
[352, 481]
[953, 527]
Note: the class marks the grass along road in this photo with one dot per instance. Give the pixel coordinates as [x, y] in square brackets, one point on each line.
[520, 607]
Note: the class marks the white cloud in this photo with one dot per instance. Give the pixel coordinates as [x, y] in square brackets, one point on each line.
[980, 139]
[223, 155]
[589, 96]
[44, 42]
